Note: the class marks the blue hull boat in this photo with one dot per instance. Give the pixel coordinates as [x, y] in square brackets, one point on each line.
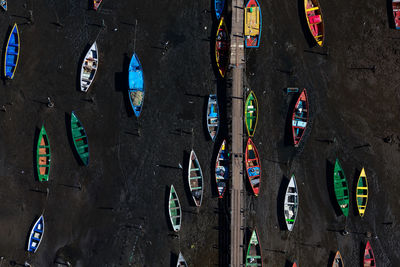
[12, 53]
[3, 4]
[136, 85]
[36, 235]
[219, 8]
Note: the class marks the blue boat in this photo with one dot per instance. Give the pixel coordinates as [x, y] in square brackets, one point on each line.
[3, 4]
[12, 53]
[219, 8]
[136, 85]
[36, 235]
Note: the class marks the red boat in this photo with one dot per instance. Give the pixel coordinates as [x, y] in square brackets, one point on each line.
[396, 13]
[295, 264]
[253, 166]
[369, 258]
[222, 47]
[300, 117]
[96, 4]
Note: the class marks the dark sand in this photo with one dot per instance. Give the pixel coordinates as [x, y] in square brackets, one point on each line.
[119, 217]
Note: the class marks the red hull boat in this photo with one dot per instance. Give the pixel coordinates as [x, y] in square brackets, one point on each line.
[369, 258]
[96, 4]
[396, 13]
[253, 166]
[300, 118]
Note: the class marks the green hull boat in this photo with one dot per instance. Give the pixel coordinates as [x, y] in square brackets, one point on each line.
[341, 188]
[80, 139]
[253, 257]
[174, 210]
[43, 156]
[251, 113]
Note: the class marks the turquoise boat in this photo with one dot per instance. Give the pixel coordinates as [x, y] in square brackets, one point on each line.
[12, 53]
[80, 139]
[136, 85]
[219, 8]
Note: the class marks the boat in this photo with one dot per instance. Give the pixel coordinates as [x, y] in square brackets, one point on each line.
[80, 139]
[251, 113]
[338, 261]
[136, 85]
[396, 13]
[222, 169]
[362, 193]
[36, 235]
[253, 166]
[253, 256]
[314, 20]
[96, 4]
[3, 4]
[219, 8]
[181, 261]
[195, 179]
[295, 264]
[12, 53]
[212, 116]
[43, 156]
[341, 188]
[174, 209]
[252, 24]
[291, 204]
[300, 118]
[89, 67]
[222, 45]
[369, 258]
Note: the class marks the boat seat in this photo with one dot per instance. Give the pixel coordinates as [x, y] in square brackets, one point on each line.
[12, 53]
[177, 216]
[195, 169]
[195, 177]
[312, 9]
[174, 208]
[85, 155]
[196, 188]
[80, 137]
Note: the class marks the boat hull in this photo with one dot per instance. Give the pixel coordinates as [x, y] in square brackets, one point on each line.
[213, 117]
[341, 188]
[396, 13]
[222, 169]
[251, 113]
[362, 193]
[369, 257]
[219, 6]
[96, 4]
[300, 118]
[174, 210]
[252, 24]
[314, 20]
[253, 166]
[89, 67]
[80, 139]
[136, 85]
[291, 204]
[253, 256]
[338, 260]
[195, 179]
[11, 55]
[222, 45]
[43, 156]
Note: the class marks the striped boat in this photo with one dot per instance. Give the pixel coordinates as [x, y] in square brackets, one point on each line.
[11, 55]
[341, 188]
[222, 45]
[212, 116]
[219, 8]
[253, 256]
[136, 85]
[89, 67]
[314, 20]
[251, 113]
[291, 204]
[43, 156]
[222, 169]
[362, 193]
[36, 235]
[174, 210]
[195, 179]
[80, 139]
[96, 4]
[252, 24]
[253, 166]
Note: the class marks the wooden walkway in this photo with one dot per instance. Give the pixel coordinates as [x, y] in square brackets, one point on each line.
[237, 188]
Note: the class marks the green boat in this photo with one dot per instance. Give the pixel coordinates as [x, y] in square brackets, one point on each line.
[253, 257]
[43, 156]
[251, 113]
[80, 139]
[174, 209]
[341, 188]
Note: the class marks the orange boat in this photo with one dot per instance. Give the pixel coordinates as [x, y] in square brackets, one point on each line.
[253, 166]
[96, 4]
[369, 258]
[314, 20]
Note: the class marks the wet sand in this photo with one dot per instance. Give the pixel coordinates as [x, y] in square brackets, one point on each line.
[113, 212]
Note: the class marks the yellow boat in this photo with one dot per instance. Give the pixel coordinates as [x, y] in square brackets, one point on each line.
[314, 20]
[362, 193]
[222, 47]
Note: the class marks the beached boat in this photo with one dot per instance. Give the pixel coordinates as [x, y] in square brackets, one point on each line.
[212, 116]
[174, 209]
[253, 256]
[314, 20]
[362, 193]
[396, 13]
[89, 67]
[195, 179]
[341, 188]
[80, 139]
[11, 55]
[96, 4]
[136, 85]
[252, 24]
[253, 166]
[300, 118]
[338, 261]
[36, 235]
[43, 156]
[369, 258]
[222, 47]
[181, 261]
[222, 169]
[219, 6]
[3, 4]
[251, 113]
[291, 204]
[295, 264]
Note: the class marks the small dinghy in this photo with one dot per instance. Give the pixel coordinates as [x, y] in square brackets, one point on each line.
[253, 256]
[369, 258]
[222, 45]
[251, 113]
[36, 235]
[341, 188]
[181, 261]
[253, 166]
[195, 179]
[291, 204]
[362, 193]
[219, 8]
[396, 13]
[174, 209]
[43, 156]
[300, 118]
[12, 53]
[136, 85]
[314, 20]
[96, 4]
[80, 139]
[338, 261]
[212, 117]
[252, 24]
[3, 4]
[89, 67]
[222, 169]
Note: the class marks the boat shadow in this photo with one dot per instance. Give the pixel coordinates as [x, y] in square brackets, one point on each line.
[331, 189]
[121, 84]
[288, 135]
[280, 203]
[354, 195]
[70, 139]
[34, 153]
[173, 259]
[185, 170]
[331, 258]
[223, 226]
[362, 250]
[288, 263]
[390, 15]
[304, 26]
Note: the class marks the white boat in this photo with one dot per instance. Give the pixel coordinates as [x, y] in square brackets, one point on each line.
[174, 210]
[181, 261]
[89, 67]
[291, 204]
[36, 235]
[195, 179]
[212, 117]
